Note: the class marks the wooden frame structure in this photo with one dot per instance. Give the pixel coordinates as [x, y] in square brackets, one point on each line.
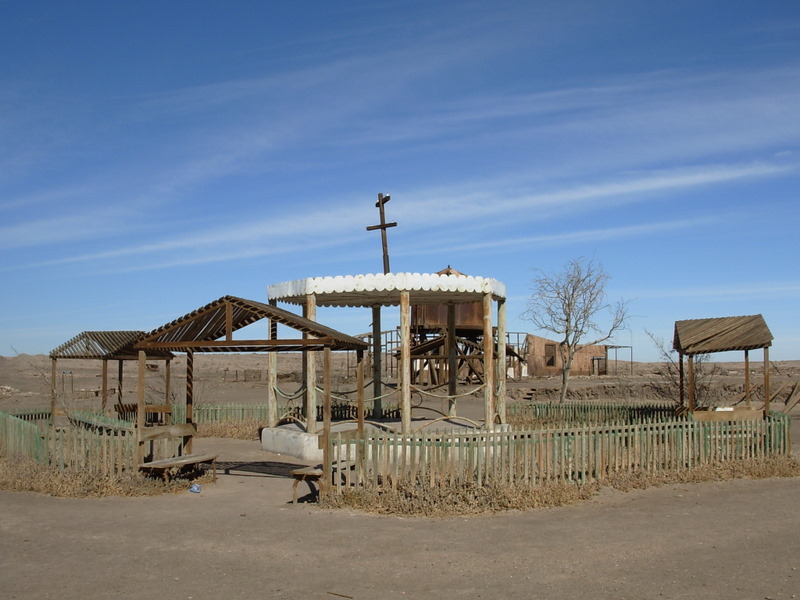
[104, 346]
[210, 328]
[721, 334]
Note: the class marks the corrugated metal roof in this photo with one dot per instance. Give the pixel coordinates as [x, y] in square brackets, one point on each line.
[721, 334]
[209, 323]
[108, 345]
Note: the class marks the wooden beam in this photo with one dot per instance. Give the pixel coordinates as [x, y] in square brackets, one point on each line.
[326, 422]
[189, 395]
[228, 321]
[452, 366]
[690, 361]
[747, 377]
[168, 389]
[766, 380]
[310, 368]
[377, 385]
[501, 360]
[179, 346]
[104, 385]
[140, 406]
[488, 362]
[405, 362]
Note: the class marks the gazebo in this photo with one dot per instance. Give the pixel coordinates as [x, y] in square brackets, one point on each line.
[722, 334]
[404, 289]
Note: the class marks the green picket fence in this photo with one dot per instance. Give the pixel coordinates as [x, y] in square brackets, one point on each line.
[588, 412]
[101, 451]
[22, 437]
[585, 453]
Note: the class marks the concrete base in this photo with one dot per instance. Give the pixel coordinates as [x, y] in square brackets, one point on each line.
[291, 441]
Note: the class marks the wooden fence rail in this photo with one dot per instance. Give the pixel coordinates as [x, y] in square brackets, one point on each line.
[585, 453]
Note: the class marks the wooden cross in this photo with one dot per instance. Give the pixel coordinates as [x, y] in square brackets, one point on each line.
[383, 227]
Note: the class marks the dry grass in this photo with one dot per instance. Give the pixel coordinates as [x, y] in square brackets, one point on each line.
[21, 474]
[415, 498]
[235, 430]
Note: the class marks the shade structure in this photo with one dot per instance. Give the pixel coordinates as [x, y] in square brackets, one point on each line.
[384, 289]
[722, 334]
[404, 289]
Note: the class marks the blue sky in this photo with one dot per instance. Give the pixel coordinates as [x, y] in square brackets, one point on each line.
[156, 156]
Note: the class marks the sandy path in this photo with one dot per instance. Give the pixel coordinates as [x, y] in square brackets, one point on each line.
[240, 538]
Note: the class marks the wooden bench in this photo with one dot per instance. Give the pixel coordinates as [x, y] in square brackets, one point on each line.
[179, 459]
[308, 474]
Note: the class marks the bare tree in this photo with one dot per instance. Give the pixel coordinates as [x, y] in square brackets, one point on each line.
[567, 303]
[667, 384]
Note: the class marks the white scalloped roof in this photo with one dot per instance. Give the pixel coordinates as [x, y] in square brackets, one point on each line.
[371, 289]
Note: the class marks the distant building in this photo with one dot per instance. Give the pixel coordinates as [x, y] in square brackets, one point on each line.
[544, 358]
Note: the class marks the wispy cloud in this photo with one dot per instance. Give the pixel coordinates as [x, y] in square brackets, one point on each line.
[752, 289]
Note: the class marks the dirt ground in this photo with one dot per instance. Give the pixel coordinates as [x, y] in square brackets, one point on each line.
[242, 537]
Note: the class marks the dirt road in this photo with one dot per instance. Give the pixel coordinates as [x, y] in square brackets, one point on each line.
[240, 538]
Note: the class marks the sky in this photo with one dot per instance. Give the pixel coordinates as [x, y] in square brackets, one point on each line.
[155, 156]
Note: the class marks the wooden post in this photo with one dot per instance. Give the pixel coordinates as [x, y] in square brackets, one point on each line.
[140, 407]
[680, 380]
[168, 389]
[310, 312]
[691, 382]
[360, 391]
[488, 362]
[377, 386]
[360, 448]
[120, 373]
[104, 391]
[53, 391]
[189, 395]
[405, 362]
[452, 360]
[501, 359]
[272, 375]
[766, 381]
[747, 377]
[326, 423]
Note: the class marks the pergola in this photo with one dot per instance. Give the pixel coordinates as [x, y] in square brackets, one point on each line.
[403, 290]
[104, 346]
[722, 334]
[210, 328]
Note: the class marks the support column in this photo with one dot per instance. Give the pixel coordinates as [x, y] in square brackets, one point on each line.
[747, 378]
[272, 378]
[189, 395]
[691, 383]
[104, 391]
[53, 391]
[488, 363]
[377, 386]
[360, 447]
[766, 381]
[681, 386]
[452, 360]
[168, 390]
[405, 362]
[501, 359]
[140, 407]
[310, 370]
[326, 423]
[120, 373]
